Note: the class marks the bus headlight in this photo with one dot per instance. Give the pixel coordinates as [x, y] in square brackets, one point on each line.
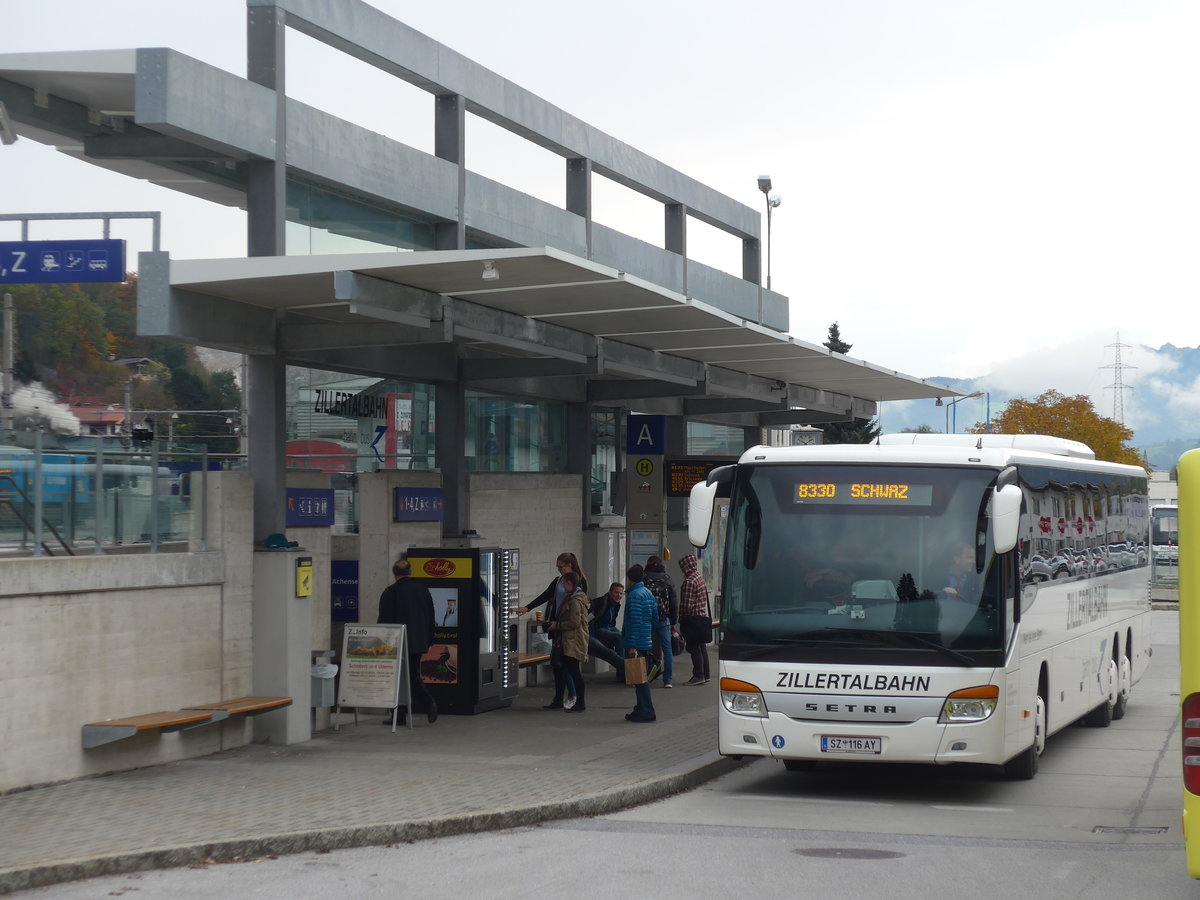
[742, 698]
[972, 704]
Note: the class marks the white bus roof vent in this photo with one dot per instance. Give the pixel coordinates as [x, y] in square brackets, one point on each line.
[1040, 443]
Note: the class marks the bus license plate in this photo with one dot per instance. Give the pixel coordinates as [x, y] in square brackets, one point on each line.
[831, 744]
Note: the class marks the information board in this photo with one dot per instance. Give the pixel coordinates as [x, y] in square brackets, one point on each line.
[61, 262]
[374, 671]
[680, 473]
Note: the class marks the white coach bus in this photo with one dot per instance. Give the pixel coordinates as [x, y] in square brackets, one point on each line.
[926, 598]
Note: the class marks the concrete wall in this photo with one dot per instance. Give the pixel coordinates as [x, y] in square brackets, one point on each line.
[500, 508]
[316, 543]
[380, 540]
[90, 638]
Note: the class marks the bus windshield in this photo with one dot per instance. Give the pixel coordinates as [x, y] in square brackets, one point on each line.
[864, 564]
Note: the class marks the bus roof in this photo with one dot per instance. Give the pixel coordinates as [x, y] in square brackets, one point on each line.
[1039, 443]
[985, 450]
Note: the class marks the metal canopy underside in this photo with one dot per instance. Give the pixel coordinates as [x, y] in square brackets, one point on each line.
[546, 314]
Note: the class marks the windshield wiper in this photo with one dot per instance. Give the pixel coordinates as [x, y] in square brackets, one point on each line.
[960, 658]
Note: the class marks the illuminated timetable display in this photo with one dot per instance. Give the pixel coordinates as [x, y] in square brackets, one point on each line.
[865, 493]
[681, 472]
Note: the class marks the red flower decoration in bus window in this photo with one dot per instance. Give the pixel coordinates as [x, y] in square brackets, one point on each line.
[1062, 525]
[1044, 524]
[1079, 525]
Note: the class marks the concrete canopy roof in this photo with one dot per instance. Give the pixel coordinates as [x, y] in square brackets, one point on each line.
[600, 334]
[553, 324]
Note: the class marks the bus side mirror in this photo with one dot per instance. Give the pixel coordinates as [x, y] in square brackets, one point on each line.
[1006, 517]
[700, 512]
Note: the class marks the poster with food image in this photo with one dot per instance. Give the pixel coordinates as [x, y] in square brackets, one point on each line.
[372, 672]
[439, 664]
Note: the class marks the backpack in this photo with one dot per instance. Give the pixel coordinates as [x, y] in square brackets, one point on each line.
[662, 595]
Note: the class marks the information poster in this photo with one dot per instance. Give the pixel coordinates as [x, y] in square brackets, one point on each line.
[372, 666]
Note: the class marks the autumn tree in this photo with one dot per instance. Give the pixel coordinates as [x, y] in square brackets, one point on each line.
[1073, 418]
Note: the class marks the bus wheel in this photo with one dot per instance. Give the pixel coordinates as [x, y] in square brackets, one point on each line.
[1124, 675]
[1102, 715]
[1024, 765]
[799, 765]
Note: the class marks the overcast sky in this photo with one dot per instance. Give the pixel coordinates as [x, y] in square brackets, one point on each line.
[968, 187]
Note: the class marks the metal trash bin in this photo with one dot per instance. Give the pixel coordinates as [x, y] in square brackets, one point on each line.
[322, 682]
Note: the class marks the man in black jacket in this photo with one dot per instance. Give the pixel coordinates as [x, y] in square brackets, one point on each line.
[405, 602]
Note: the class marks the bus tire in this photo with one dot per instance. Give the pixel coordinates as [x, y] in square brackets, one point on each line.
[799, 765]
[1122, 703]
[1102, 715]
[1024, 765]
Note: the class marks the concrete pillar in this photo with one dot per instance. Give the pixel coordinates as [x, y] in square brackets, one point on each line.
[579, 194]
[282, 646]
[752, 260]
[579, 452]
[316, 542]
[450, 144]
[265, 412]
[451, 445]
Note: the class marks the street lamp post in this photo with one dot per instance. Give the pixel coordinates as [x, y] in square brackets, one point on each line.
[764, 185]
[975, 396]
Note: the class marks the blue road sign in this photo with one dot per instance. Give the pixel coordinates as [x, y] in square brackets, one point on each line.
[61, 262]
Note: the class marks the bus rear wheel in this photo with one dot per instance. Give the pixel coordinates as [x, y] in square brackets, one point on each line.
[1102, 715]
[1024, 765]
[1125, 674]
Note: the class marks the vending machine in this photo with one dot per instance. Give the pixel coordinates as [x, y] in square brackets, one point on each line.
[472, 665]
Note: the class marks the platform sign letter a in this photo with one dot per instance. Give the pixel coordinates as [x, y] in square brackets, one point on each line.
[646, 435]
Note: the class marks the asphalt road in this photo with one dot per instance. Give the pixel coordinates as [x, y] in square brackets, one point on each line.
[1100, 820]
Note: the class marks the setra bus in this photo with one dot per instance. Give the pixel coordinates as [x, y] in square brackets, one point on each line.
[926, 598]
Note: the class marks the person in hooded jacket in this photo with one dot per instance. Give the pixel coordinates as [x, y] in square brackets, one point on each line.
[695, 617]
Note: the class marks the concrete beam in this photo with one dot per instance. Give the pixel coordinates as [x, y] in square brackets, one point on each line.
[487, 369]
[422, 362]
[387, 300]
[163, 311]
[621, 358]
[608, 391]
[299, 337]
[472, 322]
[751, 387]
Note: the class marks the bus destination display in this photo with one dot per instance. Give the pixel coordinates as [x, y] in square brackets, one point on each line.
[866, 493]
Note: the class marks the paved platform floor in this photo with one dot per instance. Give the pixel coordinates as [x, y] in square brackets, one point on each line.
[365, 785]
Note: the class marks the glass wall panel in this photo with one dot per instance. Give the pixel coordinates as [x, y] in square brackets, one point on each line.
[322, 222]
[342, 423]
[509, 435]
[605, 459]
[715, 440]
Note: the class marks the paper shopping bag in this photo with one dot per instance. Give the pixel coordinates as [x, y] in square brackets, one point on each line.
[635, 670]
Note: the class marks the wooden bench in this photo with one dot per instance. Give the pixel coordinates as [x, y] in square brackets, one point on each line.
[242, 706]
[97, 734]
[531, 661]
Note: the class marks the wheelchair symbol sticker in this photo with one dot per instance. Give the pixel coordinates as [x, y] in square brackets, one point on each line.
[777, 742]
